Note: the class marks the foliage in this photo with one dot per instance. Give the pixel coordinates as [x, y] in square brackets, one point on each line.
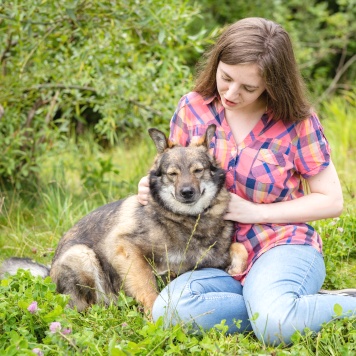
[338, 116]
[121, 66]
[339, 124]
[34, 320]
[116, 64]
[339, 250]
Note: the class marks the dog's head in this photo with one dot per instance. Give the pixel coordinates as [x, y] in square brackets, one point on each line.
[185, 180]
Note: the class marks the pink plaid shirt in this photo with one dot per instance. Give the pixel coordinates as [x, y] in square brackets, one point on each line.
[266, 167]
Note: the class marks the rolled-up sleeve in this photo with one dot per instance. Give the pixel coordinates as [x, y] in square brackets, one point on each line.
[313, 150]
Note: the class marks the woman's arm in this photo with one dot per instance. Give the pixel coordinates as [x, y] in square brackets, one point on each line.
[324, 201]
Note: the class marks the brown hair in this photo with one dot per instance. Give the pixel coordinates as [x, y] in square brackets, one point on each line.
[260, 41]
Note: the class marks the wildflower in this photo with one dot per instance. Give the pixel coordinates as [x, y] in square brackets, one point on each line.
[340, 229]
[66, 331]
[37, 351]
[55, 326]
[124, 325]
[32, 308]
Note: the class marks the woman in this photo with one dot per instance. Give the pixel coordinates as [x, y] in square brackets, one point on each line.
[268, 139]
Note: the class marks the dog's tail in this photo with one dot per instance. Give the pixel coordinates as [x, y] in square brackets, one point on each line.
[11, 265]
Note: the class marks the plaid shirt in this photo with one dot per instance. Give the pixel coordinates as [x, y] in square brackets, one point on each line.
[266, 167]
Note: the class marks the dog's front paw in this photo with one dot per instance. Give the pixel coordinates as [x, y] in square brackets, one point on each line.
[237, 267]
[238, 256]
[147, 303]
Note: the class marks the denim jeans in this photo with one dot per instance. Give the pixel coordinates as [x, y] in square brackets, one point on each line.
[279, 296]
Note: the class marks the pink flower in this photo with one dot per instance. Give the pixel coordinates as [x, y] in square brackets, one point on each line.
[37, 351]
[32, 308]
[55, 326]
[124, 325]
[340, 229]
[66, 331]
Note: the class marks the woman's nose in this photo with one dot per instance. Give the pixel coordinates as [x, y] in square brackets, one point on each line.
[233, 92]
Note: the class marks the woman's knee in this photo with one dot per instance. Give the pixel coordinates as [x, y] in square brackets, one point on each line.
[273, 326]
[275, 287]
[169, 302]
[176, 301]
[203, 297]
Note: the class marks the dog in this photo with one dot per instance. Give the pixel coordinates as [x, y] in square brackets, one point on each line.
[124, 245]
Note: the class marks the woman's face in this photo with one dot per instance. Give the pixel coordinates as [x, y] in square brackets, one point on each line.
[239, 86]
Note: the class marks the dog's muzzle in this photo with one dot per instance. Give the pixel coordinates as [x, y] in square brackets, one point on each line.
[188, 195]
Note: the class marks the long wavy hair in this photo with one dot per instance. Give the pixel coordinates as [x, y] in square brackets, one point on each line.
[267, 44]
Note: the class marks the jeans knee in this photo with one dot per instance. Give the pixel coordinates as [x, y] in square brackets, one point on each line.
[169, 304]
[269, 330]
[202, 299]
[275, 324]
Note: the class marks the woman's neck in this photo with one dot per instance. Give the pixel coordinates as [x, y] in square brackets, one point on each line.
[243, 121]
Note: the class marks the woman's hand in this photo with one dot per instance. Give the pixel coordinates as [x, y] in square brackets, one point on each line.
[143, 190]
[242, 210]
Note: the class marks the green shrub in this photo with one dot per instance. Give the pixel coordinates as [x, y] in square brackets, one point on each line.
[116, 65]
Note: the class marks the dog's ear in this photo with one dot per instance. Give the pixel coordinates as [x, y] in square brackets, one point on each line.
[209, 134]
[159, 138]
[205, 139]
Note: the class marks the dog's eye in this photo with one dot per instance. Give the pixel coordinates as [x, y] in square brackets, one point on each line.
[172, 174]
[198, 170]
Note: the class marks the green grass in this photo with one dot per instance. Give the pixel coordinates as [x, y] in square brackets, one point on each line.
[80, 177]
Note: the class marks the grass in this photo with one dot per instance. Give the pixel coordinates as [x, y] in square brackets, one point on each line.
[80, 177]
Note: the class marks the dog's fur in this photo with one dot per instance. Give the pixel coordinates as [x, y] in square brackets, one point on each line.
[123, 245]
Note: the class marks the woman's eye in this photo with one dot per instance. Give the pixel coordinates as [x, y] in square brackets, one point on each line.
[225, 79]
[249, 89]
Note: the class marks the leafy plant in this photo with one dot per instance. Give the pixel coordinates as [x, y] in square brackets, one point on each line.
[115, 65]
[34, 320]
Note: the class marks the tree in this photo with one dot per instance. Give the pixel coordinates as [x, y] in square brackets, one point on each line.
[118, 64]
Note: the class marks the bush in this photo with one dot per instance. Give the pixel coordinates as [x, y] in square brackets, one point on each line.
[118, 65]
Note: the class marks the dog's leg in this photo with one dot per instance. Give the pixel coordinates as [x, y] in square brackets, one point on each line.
[136, 273]
[77, 272]
[238, 255]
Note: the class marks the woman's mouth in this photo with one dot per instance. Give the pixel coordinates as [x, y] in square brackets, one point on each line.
[229, 103]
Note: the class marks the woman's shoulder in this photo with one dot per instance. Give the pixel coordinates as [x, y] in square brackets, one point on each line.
[195, 110]
[310, 123]
[293, 132]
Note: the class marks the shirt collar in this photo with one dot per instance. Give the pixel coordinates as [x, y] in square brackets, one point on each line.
[210, 99]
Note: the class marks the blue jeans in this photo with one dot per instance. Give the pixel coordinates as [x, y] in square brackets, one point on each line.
[278, 296]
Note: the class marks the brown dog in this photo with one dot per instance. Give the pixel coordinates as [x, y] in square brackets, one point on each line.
[124, 245]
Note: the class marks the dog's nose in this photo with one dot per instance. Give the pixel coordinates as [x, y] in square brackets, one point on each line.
[187, 192]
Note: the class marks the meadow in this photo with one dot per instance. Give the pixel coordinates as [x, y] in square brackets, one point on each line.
[76, 178]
